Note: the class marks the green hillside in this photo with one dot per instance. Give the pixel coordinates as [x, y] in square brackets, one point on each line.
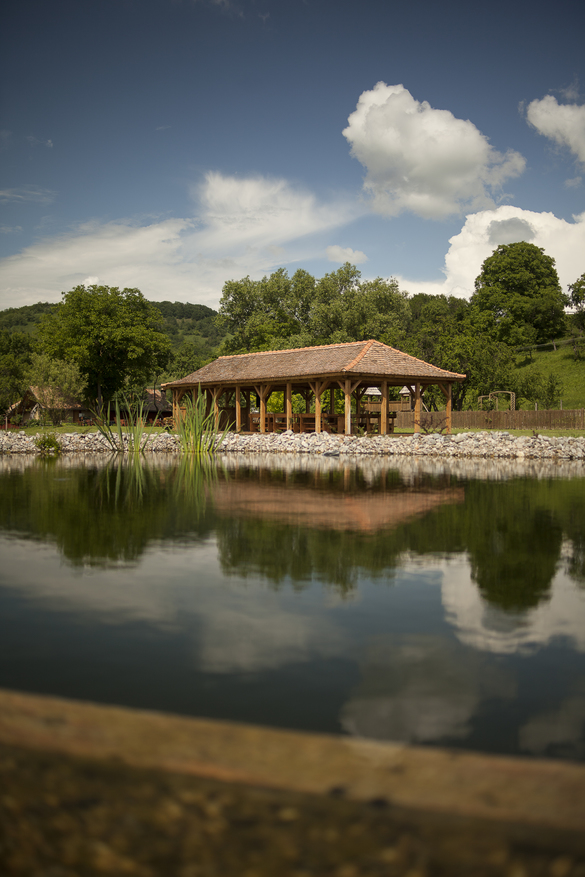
[563, 364]
[25, 319]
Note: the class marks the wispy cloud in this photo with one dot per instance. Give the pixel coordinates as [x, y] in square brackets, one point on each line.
[8, 229]
[241, 226]
[564, 124]
[423, 160]
[34, 141]
[27, 194]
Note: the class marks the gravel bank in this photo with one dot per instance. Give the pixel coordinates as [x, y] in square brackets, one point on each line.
[493, 445]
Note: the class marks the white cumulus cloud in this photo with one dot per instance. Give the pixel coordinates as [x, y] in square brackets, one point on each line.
[345, 254]
[562, 123]
[484, 231]
[421, 159]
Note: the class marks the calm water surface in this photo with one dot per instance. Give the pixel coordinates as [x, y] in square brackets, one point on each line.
[426, 602]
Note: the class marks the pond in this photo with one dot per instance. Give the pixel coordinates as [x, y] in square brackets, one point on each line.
[432, 602]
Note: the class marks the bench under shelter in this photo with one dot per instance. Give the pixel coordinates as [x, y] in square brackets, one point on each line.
[238, 387]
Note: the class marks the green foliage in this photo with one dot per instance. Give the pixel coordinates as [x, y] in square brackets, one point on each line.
[135, 433]
[112, 335]
[450, 333]
[519, 288]
[281, 311]
[577, 297]
[198, 432]
[531, 375]
[58, 384]
[15, 355]
[26, 319]
[48, 445]
[534, 386]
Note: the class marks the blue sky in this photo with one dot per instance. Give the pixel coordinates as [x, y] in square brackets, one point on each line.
[172, 145]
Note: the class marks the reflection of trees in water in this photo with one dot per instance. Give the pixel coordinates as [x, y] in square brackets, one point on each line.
[514, 559]
[513, 531]
[515, 535]
[100, 514]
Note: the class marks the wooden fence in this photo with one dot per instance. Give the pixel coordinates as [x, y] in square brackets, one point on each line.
[569, 419]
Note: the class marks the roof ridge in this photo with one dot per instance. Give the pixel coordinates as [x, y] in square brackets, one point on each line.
[360, 355]
[291, 349]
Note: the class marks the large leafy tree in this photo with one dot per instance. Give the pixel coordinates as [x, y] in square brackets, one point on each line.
[113, 335]
[519, 288]
[15, 354]
[296, 311]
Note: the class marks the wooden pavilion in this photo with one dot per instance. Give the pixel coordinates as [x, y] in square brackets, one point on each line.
[352, 367]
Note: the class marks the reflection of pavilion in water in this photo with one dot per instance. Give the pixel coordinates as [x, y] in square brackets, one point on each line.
[331, 510]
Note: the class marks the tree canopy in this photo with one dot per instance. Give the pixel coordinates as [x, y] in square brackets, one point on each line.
[299, 311]
[113, 336]
[519, 288]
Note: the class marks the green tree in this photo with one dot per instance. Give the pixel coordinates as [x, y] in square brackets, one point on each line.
[519, 288]
[57, 384]
[577, 297]
[15, 353]
[113, 336]
[282, 311]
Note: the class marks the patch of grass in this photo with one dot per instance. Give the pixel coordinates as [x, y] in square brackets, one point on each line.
[562, 363]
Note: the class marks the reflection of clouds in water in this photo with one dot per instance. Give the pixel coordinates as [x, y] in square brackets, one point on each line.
[483, 626]
[233, 627]
[421, 688]
[557, 732]
[241, 637]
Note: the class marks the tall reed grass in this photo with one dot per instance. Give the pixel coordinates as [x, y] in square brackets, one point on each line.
[131, 438]
[198, 431]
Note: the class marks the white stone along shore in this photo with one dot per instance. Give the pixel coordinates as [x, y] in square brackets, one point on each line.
[494, 445]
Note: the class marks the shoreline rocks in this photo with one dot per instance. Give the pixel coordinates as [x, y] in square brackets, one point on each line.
[496, 445]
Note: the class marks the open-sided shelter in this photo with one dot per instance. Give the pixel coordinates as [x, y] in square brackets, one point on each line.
[352, 367]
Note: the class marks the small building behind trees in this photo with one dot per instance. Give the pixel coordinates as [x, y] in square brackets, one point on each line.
[327, 378]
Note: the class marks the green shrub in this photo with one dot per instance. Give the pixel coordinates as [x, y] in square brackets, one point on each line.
[48, 445]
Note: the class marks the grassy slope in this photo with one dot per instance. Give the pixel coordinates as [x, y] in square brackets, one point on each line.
[563, 364]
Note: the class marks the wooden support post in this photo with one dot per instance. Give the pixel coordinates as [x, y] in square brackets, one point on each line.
[348, 389]
[317, 408]
[347, 394]
[318, 388]
[263, 391]
[288, 406]
[384, 411]
[417, 408]
[238, 410]
[216, 392]
[447, 390]
[262, 412]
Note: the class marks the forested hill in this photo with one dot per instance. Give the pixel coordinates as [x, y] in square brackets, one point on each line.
[25, 319]
[182, 322]
[185, 322]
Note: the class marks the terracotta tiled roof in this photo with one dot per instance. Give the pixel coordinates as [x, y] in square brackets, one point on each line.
[368, 358]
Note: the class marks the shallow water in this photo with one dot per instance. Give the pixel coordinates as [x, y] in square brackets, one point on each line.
[431, 602]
